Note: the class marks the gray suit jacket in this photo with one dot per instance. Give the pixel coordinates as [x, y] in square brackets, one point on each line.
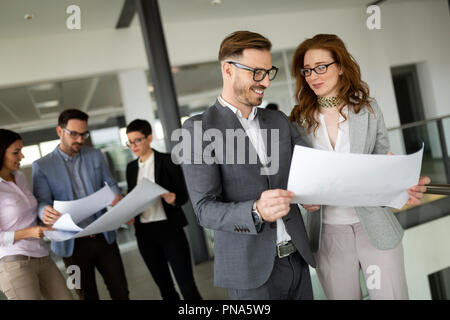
[368, 135]
[223, 194]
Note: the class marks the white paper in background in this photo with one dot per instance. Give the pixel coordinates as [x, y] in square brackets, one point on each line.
[352, 180]
[140, 198]
[85, 207]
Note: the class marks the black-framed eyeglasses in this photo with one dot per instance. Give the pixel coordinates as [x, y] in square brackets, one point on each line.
[321, 69]
[258, 74]
[135, 142]
[75, 134]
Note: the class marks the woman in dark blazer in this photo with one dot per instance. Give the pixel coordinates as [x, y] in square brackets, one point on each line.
[159, 229]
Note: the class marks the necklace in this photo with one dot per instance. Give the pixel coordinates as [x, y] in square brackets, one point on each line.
[329, 102]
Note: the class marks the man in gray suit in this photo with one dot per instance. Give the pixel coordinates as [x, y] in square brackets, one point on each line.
[260, 243]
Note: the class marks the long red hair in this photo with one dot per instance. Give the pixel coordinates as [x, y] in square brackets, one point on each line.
[352, 90]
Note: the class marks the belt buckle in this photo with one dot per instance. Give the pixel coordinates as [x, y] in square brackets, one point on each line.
[279, 254]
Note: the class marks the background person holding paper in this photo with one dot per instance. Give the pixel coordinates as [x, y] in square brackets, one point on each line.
[159, 229]
[335, 113]
[26, 270]
[73, 171]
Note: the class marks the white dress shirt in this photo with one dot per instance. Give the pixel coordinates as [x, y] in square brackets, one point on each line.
[253, 131]
[321, 140]
[155, 212]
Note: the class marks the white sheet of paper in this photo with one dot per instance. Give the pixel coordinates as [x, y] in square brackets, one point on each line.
[352, 180]
[65, 223]
[131, 205]
[85, 207]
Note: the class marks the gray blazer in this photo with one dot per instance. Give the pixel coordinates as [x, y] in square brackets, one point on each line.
[368, 135]
[223, 194]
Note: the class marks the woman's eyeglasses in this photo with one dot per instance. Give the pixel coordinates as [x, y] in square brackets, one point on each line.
[306, 72]
[135, 142]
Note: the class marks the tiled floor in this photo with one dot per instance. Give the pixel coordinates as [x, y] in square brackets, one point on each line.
[142, 286]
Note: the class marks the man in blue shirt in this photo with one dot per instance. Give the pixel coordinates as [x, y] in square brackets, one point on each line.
[73, 171]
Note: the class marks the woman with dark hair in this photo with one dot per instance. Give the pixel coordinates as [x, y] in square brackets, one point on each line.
[335, 113]
[26, 270]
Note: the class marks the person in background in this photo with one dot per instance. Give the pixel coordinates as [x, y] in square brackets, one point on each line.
[73, 171]
[272, 106]
[335, 113]
[26, 270]
[159, 229]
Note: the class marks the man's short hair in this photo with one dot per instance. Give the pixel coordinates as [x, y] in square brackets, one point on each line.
[233, 45]
[143, 126]
[70, 114]
[272, 106]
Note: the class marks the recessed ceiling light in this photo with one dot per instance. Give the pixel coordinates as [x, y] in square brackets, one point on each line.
[47, 104]
[214, 2]
[28, 16]
[43, 87]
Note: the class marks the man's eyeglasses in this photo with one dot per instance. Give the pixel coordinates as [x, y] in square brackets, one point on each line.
[258, 74]
[135, 142]
[75, 134]
[306, 72]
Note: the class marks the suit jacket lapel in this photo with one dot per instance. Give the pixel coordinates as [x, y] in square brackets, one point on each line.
[227, 118]
[158, 165]
[358, 130]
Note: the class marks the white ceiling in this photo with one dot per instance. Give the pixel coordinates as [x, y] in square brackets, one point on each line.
[100, 94]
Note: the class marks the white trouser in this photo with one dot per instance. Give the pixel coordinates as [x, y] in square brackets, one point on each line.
[344, 250]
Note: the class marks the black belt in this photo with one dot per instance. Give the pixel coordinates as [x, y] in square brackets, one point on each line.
[16, 257]
[285, 249]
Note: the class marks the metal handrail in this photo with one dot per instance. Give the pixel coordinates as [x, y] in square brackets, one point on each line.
[417, 123]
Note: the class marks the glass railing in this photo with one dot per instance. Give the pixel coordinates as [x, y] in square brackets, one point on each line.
[435, 135]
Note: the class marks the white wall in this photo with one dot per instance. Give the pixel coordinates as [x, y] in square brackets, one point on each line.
[412, 32]
[426, 251]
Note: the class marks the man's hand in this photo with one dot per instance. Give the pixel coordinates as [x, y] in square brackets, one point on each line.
[311, 207]
[50, 215]
[416, 192]
[169, 197]
[274, 204]
[130, 222]
[116, 199]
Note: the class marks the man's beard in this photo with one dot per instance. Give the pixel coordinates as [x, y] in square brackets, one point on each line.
[243, 93]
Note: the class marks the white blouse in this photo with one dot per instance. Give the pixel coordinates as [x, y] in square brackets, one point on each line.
[155, 212]
[321, 141]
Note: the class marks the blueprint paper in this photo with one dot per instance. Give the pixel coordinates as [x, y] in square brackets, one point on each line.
[352, 180]
[141, 197]
[85, 207]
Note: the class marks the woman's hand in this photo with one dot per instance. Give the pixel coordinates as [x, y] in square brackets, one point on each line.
[36, 232]
[169, 197]
[416, 192]
[311, 207]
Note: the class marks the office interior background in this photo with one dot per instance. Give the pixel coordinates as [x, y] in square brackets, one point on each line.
[103, 69]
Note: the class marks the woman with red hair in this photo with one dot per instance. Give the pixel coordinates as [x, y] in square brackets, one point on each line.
[335, 113]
